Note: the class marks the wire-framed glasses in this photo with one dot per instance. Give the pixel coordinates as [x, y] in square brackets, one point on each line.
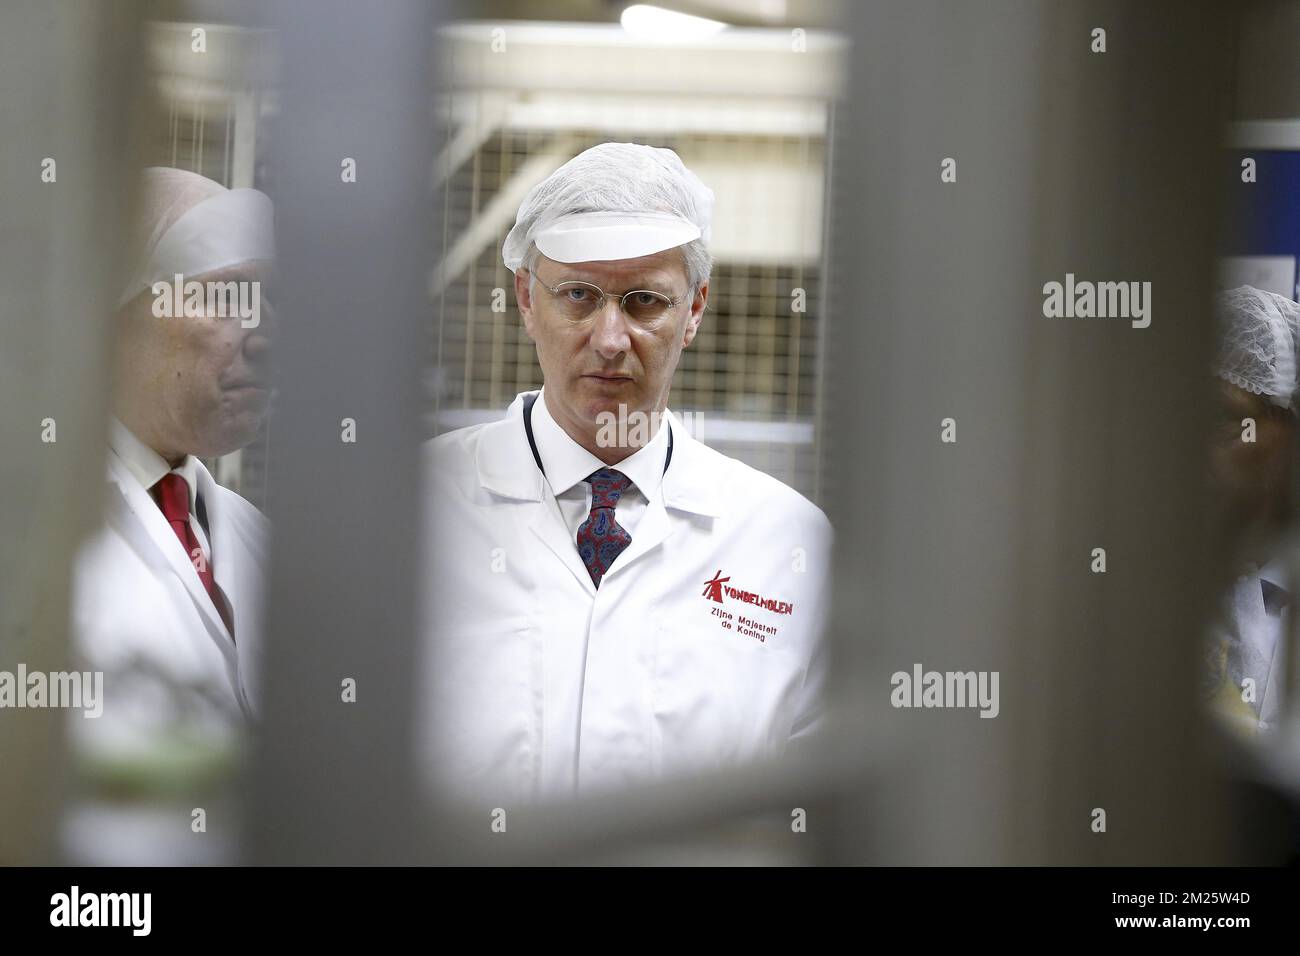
[578, 301]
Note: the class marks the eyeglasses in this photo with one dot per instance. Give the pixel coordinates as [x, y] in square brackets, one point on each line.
[579, 301]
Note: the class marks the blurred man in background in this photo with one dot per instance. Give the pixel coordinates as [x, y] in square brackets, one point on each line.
[167, 596]
[1253, 475]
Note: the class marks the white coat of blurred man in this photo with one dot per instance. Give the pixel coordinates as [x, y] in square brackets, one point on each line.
[167, 595]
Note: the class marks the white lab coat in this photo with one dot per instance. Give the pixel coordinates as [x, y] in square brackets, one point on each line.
[541, 686]
[1251, 643]
[141, 615]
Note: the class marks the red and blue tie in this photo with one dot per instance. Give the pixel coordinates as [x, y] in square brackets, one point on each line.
[600, 538]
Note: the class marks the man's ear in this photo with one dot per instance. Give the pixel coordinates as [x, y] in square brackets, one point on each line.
[525, 299]
[696, 315]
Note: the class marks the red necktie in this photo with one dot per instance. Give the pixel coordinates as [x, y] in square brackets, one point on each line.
[173, 496]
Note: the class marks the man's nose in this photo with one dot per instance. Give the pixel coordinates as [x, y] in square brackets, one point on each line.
[256, 344]
[609, 334]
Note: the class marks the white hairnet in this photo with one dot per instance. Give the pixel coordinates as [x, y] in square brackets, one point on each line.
[1257, 351]
[613, 201]
[188, 224]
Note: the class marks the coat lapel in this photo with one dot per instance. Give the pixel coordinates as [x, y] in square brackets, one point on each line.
[685, 491]
[239, 568]
[652, 530]
[548, 524]
[506, 468]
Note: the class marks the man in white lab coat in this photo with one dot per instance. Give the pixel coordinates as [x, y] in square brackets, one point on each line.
[609, 600]
[1252, 454]
[167, 594]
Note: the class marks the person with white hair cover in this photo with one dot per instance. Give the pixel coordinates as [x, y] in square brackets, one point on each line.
[609, 601]
[1251, 469]
[167, 595]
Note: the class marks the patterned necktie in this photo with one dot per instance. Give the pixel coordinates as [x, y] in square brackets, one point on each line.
[600, 538]
[172, 493]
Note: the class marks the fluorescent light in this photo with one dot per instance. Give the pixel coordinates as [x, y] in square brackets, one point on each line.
[656, 23]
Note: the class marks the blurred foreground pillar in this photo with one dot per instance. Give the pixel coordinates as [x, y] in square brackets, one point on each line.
[66, 84]
[334, 781]
[1071, 434]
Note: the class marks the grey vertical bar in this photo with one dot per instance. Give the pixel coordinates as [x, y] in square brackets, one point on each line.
[334, 781]
[66, 82]
[1072, 434]
[825, 284]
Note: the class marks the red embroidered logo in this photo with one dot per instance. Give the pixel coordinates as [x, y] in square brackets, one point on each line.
[714, 591]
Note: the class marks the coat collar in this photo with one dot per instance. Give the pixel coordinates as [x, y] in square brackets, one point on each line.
[567, 463]
[140, 521]
[147, 466]
[506, 467]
